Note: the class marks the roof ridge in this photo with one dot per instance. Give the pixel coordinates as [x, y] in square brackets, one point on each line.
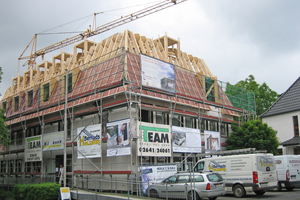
[280, 97]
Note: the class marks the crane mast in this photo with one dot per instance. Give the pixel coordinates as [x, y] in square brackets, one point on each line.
[103, 28]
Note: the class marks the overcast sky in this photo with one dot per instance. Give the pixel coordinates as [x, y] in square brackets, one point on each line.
[235, 38]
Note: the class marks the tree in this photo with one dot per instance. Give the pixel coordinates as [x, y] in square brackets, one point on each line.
[253, 134]
[264, 96]
[4, 132]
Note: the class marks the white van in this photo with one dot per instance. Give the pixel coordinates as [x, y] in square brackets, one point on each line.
[243, 173]
[288, 167]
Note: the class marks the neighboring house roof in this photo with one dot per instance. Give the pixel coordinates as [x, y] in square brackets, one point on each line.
[290, 142]
[287, 102]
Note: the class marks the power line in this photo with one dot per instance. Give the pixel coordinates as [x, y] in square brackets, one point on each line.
[104, 12]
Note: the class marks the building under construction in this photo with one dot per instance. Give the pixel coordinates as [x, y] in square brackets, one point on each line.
[120, 104]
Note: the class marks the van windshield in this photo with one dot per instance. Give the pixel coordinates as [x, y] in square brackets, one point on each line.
[265, 163]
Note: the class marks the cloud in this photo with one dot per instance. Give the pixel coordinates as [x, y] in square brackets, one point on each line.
[235, 38]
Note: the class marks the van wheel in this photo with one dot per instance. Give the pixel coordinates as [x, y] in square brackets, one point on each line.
[192, 195]
[212, 198]
[289, 188]
[260, 193]
[239, 191]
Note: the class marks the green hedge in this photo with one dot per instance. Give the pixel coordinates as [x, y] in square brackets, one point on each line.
[5, 194]
[44, 191]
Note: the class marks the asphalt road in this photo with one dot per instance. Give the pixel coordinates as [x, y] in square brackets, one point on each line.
[270, 195]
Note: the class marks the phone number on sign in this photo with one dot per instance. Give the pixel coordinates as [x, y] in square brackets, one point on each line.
[155, 150]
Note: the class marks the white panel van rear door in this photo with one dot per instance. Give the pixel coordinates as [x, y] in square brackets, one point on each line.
[266, 170]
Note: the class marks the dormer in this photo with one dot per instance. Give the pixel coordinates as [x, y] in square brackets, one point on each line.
[16, 84]
[85, 46]
[170, 45]
[62, 60]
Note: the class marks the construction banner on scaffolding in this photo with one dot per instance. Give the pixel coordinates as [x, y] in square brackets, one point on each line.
[156, 174]
[158, 74]
[155, 140]
[212, 141]
[186, 140]
[118, 138]
[33, 149]
[89, 141]
[53, 141]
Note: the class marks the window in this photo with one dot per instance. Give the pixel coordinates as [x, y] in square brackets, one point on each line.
[13, 138]
[3, 166]
[19, 165]
[33, 131]
[46, 92]
[171, 179]
[147, 116]
[4, 106]
[33, 166]
[189, 122]
[29, 132]
[69, 128]
[37, 130]
[11, 166]
[29, 98]
[198, 178]
[199, 167]
[212, 125]
[224, 129]
[16, 108]
[202, 124]
[296, 126]
[183, 179]
[19, 139]
[36, 166]
[28, 166]
[214, 177]
[160, 117]
[176, 120]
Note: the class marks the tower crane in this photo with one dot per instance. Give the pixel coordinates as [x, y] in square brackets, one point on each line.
[89, 33]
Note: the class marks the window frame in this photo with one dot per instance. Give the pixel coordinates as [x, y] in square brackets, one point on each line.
[296, 126]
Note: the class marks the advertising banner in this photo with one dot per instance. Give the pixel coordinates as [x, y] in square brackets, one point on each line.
[33, 149]
[155, 140]
[186, 140]
[89, 141]
[158, 74]
[156, 174]
[118, 138]
[212, 141]
[53, 141]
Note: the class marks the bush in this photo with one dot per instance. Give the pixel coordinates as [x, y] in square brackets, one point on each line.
[45, 191]
[5, 194]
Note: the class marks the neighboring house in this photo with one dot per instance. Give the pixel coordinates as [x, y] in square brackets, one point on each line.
[283, 116]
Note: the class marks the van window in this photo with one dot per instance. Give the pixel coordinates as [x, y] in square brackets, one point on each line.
[199, 167]
[265, 163]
